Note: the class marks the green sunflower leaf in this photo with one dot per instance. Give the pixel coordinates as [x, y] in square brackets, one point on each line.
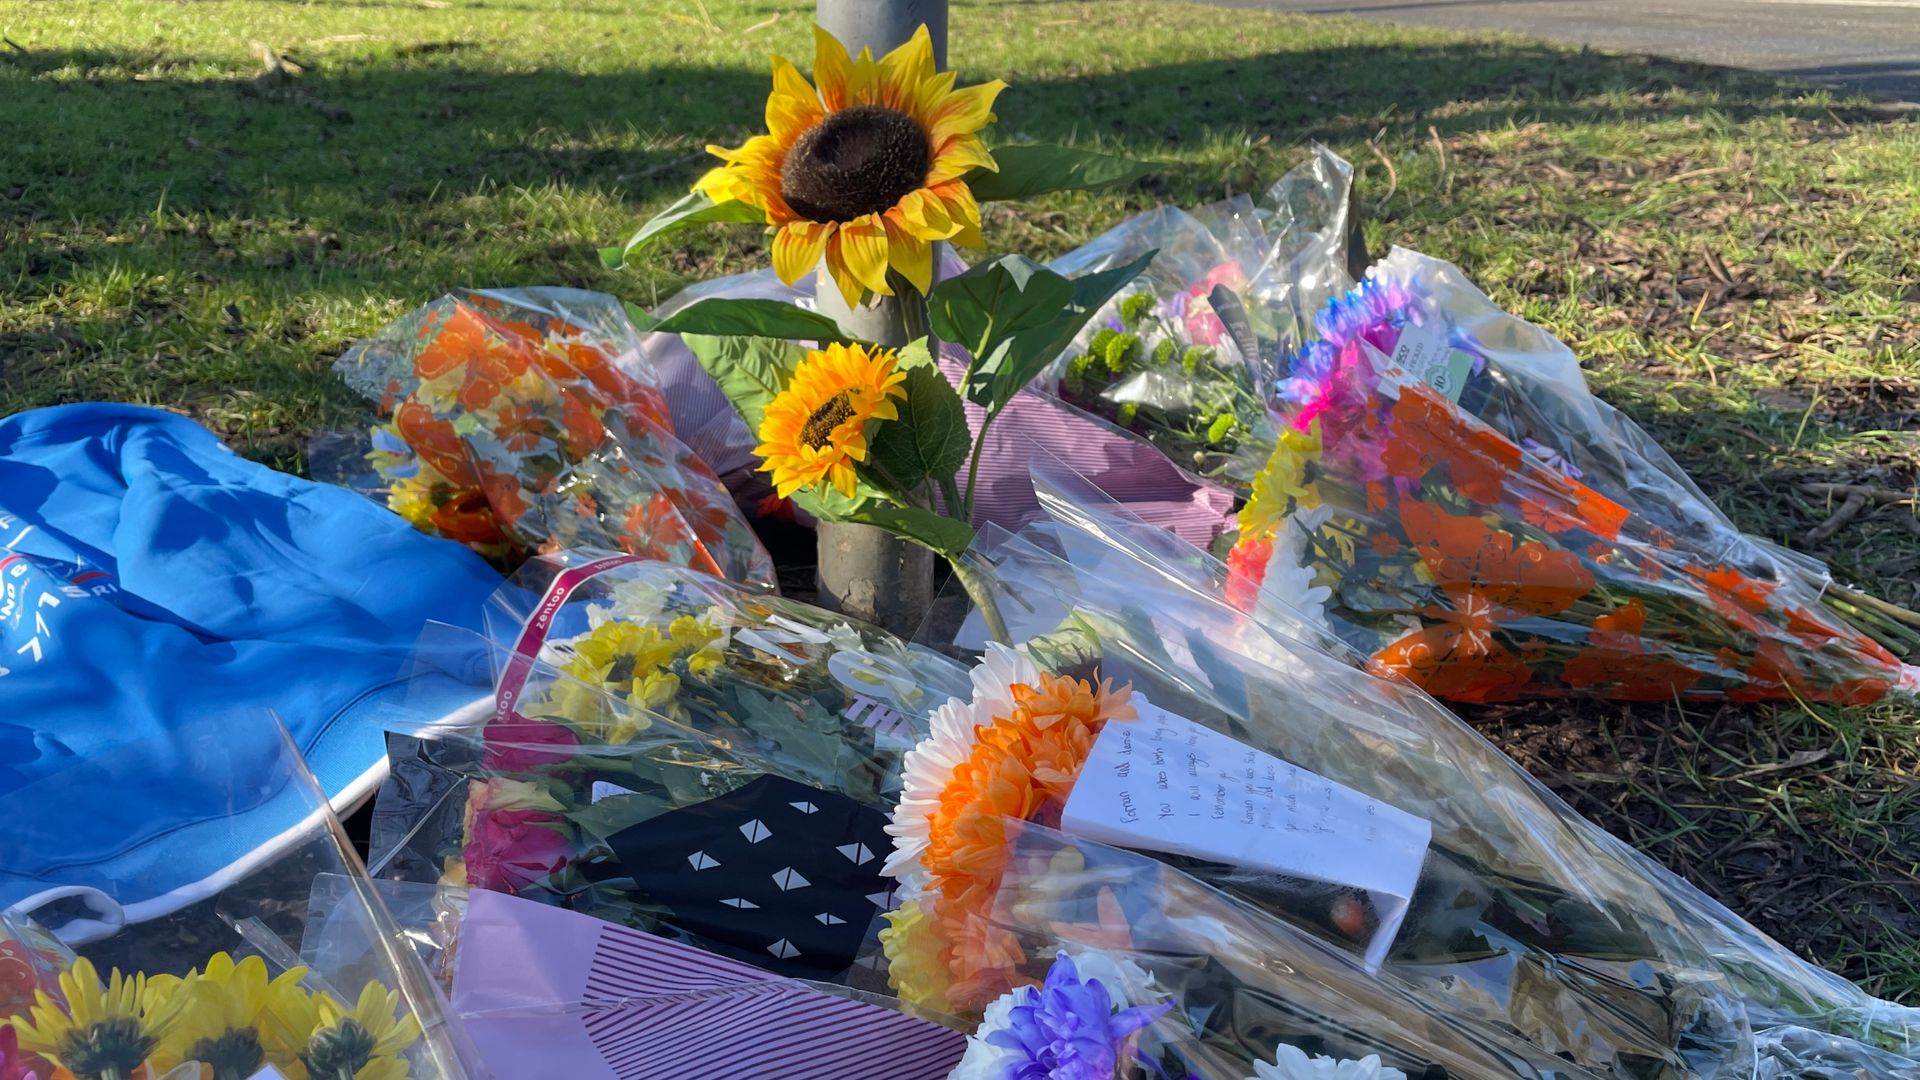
[1029, 170]
[751, 371]
[1013, 361]
[752, 317]
[991, 302]
[693, 209]
[929, 438]
[943, 535]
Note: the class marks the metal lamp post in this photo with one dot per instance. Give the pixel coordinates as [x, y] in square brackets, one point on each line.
[864, 571]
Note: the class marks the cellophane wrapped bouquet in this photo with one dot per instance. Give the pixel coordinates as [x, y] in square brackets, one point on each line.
[525, 420]
[1489, 568]
[290, 969]
[1158, 360]
[677, 754]
[1351, 808]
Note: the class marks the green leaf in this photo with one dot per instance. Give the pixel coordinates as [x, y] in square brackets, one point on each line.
[751, 371]
[1011, 367]
[1026, 171]
[929, 438]
[616, 812]
[827, 504]
[993, 301]
[752, 317]
[943, 535]
[693, 209]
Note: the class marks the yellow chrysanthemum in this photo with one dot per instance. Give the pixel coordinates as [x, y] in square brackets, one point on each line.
[1282, 484]
[412, 498]
[220, 1018]
[866, 169]
[816, 429]
[913, 947]
[101, 1032]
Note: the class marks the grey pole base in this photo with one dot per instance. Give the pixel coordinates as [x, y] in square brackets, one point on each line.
[868, 573]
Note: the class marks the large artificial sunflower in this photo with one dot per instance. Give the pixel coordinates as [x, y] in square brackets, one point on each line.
[101, 1033]
[816, 429]
[866, 169]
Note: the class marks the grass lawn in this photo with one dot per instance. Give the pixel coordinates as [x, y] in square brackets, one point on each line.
[1736, 260]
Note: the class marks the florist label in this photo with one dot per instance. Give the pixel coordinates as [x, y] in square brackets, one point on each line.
[1164, 783]
[1423, 355]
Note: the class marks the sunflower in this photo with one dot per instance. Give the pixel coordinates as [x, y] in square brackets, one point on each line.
[101, 1034]
[219, 1018]
[866, 169]
[816, 429]
[362, 1043]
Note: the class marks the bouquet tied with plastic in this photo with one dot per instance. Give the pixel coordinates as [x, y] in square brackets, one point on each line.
[1353, 810]
[526, 420]
[677, 754]
[1486, 568]
[293, 970]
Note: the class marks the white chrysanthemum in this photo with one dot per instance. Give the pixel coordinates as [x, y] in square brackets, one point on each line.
[1292, 1063]
[983, 1060]
[1127, 983]
[929, 766]
[1289, 600]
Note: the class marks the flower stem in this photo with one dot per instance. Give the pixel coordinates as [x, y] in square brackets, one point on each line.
[973, 466]
[982, 596]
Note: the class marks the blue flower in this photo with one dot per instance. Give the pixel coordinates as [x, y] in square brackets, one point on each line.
[1067, 1029]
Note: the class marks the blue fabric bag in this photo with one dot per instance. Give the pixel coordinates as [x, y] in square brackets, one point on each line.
[154, 587]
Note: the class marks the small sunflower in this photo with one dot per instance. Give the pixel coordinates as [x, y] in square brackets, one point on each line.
[363, 1043]
[219, 1018]
[101, 1034]
[816, 430]
[866, 169]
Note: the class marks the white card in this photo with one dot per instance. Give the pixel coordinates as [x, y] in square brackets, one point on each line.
[1164, 783]
[602, 790]
[268, 1072]
[1423, 354]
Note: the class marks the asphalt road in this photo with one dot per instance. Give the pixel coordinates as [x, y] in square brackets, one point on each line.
[1869, 45]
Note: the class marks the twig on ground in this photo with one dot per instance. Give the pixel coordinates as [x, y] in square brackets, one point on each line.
[1393, 174]
[1446, 170]
[14, 45]
[1849, 510]
[1884, 496]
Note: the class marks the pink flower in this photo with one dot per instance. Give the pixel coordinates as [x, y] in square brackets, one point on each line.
[507, 850]
[13, 1064]
[513, 744]
[1203, 326]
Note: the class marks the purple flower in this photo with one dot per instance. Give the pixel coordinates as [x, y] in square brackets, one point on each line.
[1067, 1029]
[1550, 457]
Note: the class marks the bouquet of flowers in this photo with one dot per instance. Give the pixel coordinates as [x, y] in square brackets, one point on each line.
[218, 990]
[1351, 807]
[1159, 359]
[523, 420]
[677, 754]
[1486, 569]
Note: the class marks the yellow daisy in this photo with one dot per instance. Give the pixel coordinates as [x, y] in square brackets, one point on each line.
[865, 166]
[101, 1033]
[220, 1013]
[816, 429]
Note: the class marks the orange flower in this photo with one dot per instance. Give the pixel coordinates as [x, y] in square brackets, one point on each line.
[467, 518]
[1384, 544]
[584, 429]
[1618, 661]
[503, 493]
[1428, 431]
[436, 442]
[654, 529]
[486, 353]
[1246, 569]
[519, 429]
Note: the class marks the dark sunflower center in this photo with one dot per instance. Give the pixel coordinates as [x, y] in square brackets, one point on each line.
[112, 1047]
[338, 1053]
[235, 1055]
[856, 161]
[818, 430]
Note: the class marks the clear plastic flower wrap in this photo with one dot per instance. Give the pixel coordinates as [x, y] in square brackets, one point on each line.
[1195, 984]
[217, 989]
[674, 753]
[525, 420]
[1423, 852]
[1485, 569]
[1159, 360]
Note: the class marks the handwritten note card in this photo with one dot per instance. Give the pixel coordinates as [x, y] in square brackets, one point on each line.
[1164, 783]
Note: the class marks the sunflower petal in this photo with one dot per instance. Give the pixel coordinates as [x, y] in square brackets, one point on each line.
[832, 69]
[926, 215]
[905, 69]
[908, 253]
[961, 207]
[797, 248]
[863, 247]
[793, 107]
[960, 157]
[964, 112]
[850, 288]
